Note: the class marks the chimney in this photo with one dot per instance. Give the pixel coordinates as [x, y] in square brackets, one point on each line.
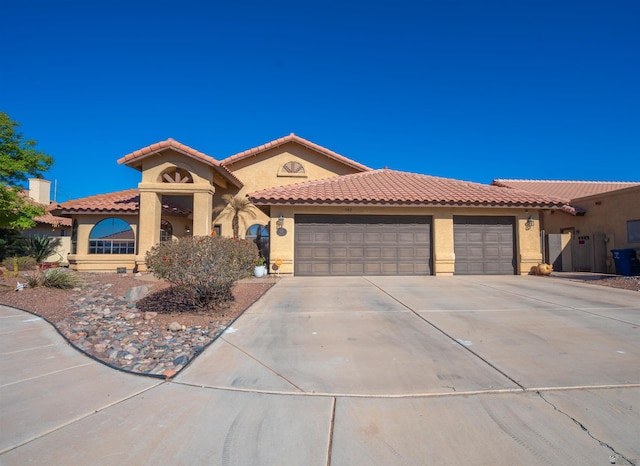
[40, 190]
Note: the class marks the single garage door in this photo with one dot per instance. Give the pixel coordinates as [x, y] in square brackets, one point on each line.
[362, 245]
[484, 245]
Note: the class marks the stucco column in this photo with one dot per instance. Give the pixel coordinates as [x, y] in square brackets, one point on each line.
[148, 223]
[282, 240]
[444, 257]
[528, 242]
[202, 212]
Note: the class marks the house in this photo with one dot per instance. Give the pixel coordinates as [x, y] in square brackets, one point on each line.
[55, 227]
[319, 213]
[608, 218]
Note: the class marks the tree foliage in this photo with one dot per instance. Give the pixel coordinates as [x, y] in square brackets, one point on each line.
[238, 206]
[19, 160]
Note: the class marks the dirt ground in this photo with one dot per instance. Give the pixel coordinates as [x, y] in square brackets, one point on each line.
[53, 304]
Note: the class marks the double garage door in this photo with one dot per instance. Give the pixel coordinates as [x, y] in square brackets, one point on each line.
[362, 245]
[399, 245]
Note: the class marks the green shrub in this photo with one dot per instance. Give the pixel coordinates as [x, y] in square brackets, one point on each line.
[54, 278]
[24, 263]
[203, 268]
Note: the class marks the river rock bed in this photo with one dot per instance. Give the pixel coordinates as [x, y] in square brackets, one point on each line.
[114, 331]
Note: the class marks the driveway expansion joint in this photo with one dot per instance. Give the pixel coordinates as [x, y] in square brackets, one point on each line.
[271, 369]
[78, 419]
[588, 432]
[453, 339]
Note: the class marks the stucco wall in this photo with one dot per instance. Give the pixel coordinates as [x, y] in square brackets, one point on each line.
[264, 170]
[605, 223]
[261, 171]
[527, 240]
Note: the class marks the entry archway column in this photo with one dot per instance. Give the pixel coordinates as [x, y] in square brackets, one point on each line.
[150, 214]
[203, 212]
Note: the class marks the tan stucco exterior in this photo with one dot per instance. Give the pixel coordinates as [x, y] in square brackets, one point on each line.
[527, 239]
[200, 188]
[603, 225]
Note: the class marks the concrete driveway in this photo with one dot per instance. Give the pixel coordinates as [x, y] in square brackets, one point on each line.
[345, 371]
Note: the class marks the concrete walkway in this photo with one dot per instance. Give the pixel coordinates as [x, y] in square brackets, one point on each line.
[345, 371]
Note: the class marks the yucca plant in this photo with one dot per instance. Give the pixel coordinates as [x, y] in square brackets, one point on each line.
[54, 278]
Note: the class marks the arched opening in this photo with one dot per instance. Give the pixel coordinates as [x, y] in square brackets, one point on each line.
[259, 234]
[166, 231]
[176, 175]
[111, 236]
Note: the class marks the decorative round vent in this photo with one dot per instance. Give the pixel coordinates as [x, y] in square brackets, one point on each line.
[176, 175]
[292, 167]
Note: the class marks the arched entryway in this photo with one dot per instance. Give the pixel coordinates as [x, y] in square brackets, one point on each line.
[259, 234]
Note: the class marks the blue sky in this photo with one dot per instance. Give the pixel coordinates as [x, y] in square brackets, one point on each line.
[473, 90]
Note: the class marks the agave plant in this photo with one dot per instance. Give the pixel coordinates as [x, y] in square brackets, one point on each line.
[40, 247]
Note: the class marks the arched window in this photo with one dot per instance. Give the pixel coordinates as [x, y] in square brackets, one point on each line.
[111, 236]
[259, 234]
[166, 231]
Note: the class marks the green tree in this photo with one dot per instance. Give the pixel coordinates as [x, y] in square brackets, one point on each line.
[19, 160]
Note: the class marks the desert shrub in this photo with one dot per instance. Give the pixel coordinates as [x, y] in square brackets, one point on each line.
[54, 278]
[24, 263]
[203, 268]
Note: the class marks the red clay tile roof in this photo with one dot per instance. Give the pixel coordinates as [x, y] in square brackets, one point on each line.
[48, 218]
[134, 158]
[567, 190]
[121, 202]
[53, 220]
[297, 139]
[390, 187]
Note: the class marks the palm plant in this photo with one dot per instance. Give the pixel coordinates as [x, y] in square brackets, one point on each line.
[238, 206]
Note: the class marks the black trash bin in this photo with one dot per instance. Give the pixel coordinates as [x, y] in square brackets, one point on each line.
[626, 262]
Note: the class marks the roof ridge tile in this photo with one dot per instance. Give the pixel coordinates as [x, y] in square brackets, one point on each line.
[297, 139]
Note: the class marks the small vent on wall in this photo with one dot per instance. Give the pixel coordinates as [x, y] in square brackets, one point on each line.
[292, 168]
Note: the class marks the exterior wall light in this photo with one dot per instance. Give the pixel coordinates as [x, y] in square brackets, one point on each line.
[529, 223]
[280, 222]
[187, 229]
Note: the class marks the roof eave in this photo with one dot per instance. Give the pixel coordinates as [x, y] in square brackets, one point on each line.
[298, 140]
[135, 161]
[430, 203]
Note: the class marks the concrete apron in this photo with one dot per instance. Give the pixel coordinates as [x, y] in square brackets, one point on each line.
[377, 370]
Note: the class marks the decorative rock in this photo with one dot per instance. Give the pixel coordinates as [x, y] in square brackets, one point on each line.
[181, 360]
[107, 328]
[169, 373]
[136, 293]
[174, 327]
